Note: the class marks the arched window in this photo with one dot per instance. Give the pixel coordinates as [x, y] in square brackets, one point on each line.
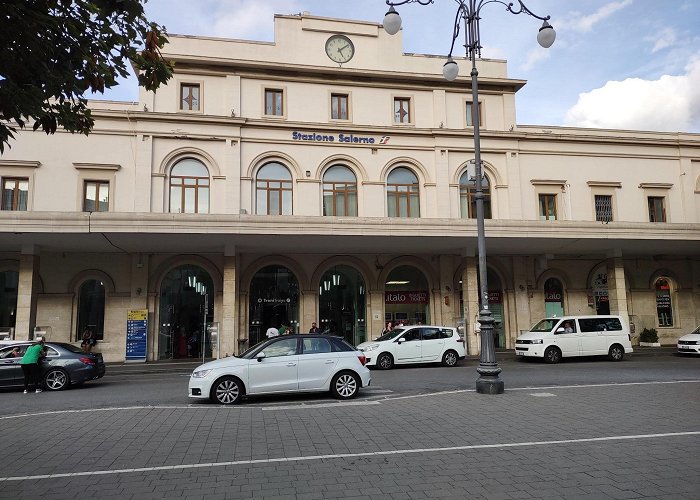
[339, 192]
[91, 309]
[664, 307]
[189, 187]
[467, 193]
[273, 190]
[402, 198]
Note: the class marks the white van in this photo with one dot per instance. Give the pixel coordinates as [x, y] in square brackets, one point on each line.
[554, 338]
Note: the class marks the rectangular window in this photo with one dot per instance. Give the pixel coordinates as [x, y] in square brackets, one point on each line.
[657, 210]
[14, 194]
[96, 196]
[339, 106]
[402, 110]
[470, 112]
[548, 207]
[189, 97]
[603, 208]
[273, 102]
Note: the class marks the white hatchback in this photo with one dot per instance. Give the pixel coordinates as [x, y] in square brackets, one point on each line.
[285, 364]
[415, 344]
[690, 344]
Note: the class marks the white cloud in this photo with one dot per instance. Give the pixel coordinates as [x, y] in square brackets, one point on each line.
[671, 103]
[581, 23]
[533, 57]
[665, 39]
[249, 20]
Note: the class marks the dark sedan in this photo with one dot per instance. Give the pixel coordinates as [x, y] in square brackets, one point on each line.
[64, 365]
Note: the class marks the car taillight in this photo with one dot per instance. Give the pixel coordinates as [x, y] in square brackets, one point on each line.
[87, 361]
[362, 358]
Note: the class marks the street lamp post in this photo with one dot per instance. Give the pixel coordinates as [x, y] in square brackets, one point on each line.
[469, 12]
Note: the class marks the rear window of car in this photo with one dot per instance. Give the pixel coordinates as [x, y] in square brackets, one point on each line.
[340, 345]
[446, 333]
[600, 324]
[430, 333]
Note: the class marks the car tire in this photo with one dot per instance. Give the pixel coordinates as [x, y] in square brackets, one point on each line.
[227, 391]
[385, 361]
[345, 385]
[450, 358]
[616, 352]
[552, 355]
[56, 379]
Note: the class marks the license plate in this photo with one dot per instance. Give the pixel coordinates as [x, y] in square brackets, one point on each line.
[685, 347]
[520, 353]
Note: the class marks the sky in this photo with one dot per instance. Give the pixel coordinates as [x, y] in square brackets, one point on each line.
[615, 64]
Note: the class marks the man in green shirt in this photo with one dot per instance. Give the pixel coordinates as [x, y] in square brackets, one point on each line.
[30, 365]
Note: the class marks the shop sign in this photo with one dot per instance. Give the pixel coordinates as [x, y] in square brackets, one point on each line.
[552, 297]
[663, 301]
[495, 297]
[406, 297]
[273, 300]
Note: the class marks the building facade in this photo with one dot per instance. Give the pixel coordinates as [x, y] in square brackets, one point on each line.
[267, 184]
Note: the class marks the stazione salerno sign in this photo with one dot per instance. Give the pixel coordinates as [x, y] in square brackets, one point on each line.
[339, 138]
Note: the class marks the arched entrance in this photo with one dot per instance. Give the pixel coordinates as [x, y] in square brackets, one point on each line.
[497, 308]
[9, 281]
[341, 296]
[273, 301]
[553, 298]
[599, 287]
[186, 307]
[406, 297]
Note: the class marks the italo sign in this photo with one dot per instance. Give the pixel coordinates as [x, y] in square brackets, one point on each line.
[412, 297]
[340, 138]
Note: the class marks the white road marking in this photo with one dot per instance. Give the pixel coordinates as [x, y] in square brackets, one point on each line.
[543, 395]
[349, 455]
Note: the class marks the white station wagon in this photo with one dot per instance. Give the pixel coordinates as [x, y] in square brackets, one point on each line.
[414, 344]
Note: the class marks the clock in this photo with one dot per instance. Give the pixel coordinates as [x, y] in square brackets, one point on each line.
[339, 48]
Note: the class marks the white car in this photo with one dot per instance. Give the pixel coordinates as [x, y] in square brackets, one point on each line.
[415, 344]
[281, 365]
[690, 344]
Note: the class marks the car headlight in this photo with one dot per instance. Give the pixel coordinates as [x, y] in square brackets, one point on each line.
[200, 373]
[536, 341]
[371, 347]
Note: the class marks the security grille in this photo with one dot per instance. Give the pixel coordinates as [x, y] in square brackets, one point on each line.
[603, 208]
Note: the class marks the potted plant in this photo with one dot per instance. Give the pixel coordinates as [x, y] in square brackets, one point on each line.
[649, 338]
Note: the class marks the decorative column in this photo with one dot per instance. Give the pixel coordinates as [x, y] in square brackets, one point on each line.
[228, 331]
[617, 287]
[26, 296]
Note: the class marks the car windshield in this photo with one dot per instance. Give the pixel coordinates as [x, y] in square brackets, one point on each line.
[696, 331]
[391, 335]
[546, 325]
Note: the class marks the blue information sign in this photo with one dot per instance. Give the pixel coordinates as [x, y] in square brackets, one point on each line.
[136, 335]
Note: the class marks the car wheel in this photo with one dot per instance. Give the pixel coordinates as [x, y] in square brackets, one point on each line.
[227, 391]
[385, 361]
[345, 385]
[552, 355]
[616, 352]
[56, 380]
[450, 358]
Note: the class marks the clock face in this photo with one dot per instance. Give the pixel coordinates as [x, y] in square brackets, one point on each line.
[340, 49]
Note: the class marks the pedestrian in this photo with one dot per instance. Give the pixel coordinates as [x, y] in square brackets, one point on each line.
[314, 328]
[272, 332]
[388, 327]
[88, 340]
[30, 365]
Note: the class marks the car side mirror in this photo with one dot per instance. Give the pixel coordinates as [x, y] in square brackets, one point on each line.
[260, 356]
[560, 330]
[401, 340]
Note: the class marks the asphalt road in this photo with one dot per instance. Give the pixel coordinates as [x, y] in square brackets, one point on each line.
[581, 429]
[131, 386]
